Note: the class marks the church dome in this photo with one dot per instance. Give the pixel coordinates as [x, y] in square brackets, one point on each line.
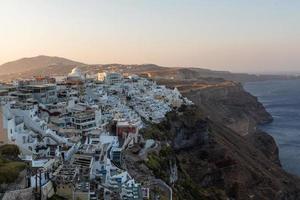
[76, 72]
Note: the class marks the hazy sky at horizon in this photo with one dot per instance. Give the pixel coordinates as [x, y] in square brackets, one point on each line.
[253, 36]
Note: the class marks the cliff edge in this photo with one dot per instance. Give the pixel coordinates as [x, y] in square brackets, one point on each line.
[215, 147]
[203, 159]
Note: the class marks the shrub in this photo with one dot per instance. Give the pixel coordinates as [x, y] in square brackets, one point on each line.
[9, 150]
[9, 171]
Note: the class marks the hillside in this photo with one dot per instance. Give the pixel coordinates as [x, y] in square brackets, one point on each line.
[35, 63]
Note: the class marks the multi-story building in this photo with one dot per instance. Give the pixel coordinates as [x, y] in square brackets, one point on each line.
[44, 94]
[113, 78]
[116, 155]
[65, 178]
[124, 128]
[38, 80]
[87, 120]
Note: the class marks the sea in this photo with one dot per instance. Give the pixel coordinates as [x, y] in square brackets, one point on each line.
[282, 101]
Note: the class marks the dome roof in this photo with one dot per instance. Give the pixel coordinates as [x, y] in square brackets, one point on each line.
[76, 72]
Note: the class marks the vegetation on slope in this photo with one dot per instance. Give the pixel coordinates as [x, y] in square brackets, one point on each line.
[160, 163]
[215, 162]
[189, 125]
[10, 166]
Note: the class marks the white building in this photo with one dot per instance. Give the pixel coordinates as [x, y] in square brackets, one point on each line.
[113, 78]
[101, 76]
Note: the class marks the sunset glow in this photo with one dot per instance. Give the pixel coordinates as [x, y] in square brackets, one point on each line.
[254, 36]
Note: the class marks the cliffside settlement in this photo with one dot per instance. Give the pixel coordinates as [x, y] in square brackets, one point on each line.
[72, 131]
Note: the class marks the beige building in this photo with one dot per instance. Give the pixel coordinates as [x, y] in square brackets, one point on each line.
[3, 130]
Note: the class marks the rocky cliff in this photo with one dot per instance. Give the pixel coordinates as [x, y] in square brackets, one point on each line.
[211, 161]
[216, 147]
[231, 105]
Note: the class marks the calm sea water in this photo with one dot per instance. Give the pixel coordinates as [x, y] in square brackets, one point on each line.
[282, 100]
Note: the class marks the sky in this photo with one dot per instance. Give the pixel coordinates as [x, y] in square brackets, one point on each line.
[236, 35]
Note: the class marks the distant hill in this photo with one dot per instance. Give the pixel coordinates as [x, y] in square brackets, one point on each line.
[35, 63]
[46, 65]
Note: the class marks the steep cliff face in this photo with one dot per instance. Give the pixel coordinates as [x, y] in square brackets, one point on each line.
[212, 161]
[230, 105]
[217, 148]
